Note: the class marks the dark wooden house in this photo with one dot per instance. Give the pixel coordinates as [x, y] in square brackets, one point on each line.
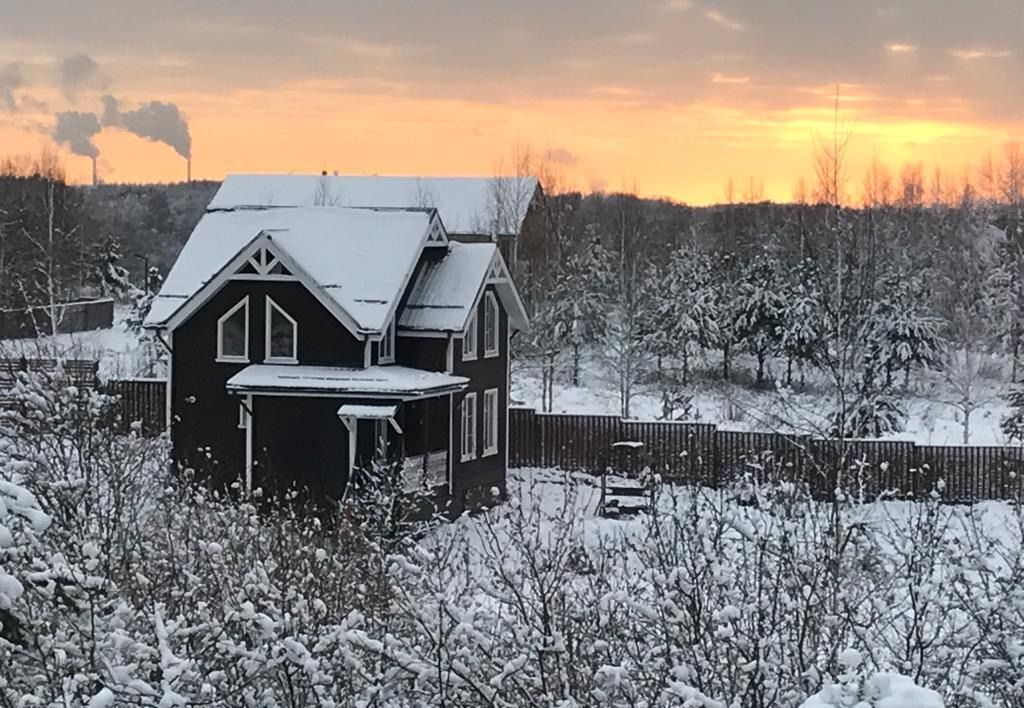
[308, 339]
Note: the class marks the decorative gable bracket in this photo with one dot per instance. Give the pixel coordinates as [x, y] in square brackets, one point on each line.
[263, 265]
[437, 235]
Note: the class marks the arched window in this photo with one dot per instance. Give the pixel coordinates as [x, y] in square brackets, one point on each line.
[233, 334]
[491, 319]
[281, 335]
[469, 339]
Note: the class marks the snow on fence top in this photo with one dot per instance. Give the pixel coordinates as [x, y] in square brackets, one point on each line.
[467, 205]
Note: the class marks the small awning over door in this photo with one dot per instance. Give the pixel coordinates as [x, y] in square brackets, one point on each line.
[367, 412]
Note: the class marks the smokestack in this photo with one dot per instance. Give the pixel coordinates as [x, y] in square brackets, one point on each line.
[188, 173]
[94, 180]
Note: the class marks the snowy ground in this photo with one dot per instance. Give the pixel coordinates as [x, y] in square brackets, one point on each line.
[932, 417]
[120, 352]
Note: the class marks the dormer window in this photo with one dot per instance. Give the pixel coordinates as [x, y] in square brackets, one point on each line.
[387, 345]
[282, 335]
[233, 334]
[469, 339]
[491, 321]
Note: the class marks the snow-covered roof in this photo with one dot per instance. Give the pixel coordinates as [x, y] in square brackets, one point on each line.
[359, 259]
[372, 381]
[467, 205]
[445, 290]
[367, 412]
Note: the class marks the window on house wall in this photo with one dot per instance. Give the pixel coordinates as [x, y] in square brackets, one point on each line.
[491, 320]
[282, 334]
[387, 345]
[490, 422]
[468, 419]
[469, 339]
[233, 333]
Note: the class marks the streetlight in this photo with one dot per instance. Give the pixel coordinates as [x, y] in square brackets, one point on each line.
[145, 270]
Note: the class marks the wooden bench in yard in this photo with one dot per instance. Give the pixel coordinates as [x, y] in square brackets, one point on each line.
[83, 373]
[626, 496]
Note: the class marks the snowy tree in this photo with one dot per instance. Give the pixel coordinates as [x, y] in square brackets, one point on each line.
[903, 337]
[759, 311]
[802, 328]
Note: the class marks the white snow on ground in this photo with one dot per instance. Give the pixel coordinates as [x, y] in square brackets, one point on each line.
[883, 690]
[932, 416]
[120, 352]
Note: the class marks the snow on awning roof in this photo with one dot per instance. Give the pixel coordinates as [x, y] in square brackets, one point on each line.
[467, 205]
[359, 258]
[383, 381]
[367, 412]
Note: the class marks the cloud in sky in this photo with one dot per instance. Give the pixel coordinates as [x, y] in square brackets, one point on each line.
[78, 72]
[979, 53]
[757, 61]
[724, 21]
[11, 80]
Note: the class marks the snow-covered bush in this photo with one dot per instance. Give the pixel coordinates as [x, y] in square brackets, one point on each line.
[123, 583]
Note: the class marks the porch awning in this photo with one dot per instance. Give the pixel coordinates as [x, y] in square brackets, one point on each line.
[372, 382]
[364, 412]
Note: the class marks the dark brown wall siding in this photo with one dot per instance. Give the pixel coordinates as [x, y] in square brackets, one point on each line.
[205, 415]
[300, 442]
[484, 373]
[427, 353]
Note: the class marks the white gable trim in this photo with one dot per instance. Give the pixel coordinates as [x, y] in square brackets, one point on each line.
[264, 240]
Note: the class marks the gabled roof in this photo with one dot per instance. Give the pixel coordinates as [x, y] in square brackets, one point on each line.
[467, 205]
[447, 289]
[358, 260]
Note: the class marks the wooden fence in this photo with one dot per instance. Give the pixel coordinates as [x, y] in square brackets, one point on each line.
[32, 322]
[142, 402]
[701, 454]
[698, 453]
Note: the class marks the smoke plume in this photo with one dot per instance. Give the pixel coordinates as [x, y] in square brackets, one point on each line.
[78, 72]
[156, 121]
[11, 80]
[76, 130]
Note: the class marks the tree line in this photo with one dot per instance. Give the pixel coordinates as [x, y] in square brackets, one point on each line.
[855, 299]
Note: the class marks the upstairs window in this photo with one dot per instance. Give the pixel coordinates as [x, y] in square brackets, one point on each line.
[491, 321]
[387, 345]
[233, 334]
[469, 339]
[282, 335]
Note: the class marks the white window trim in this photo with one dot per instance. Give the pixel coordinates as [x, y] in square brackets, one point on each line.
[294, 358]
[468, 422]
[491, 400]
[470, 336]
[490, 301]
[226, 358]
[389, 335]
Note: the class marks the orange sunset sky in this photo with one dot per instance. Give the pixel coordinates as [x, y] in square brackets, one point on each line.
[672, 97]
